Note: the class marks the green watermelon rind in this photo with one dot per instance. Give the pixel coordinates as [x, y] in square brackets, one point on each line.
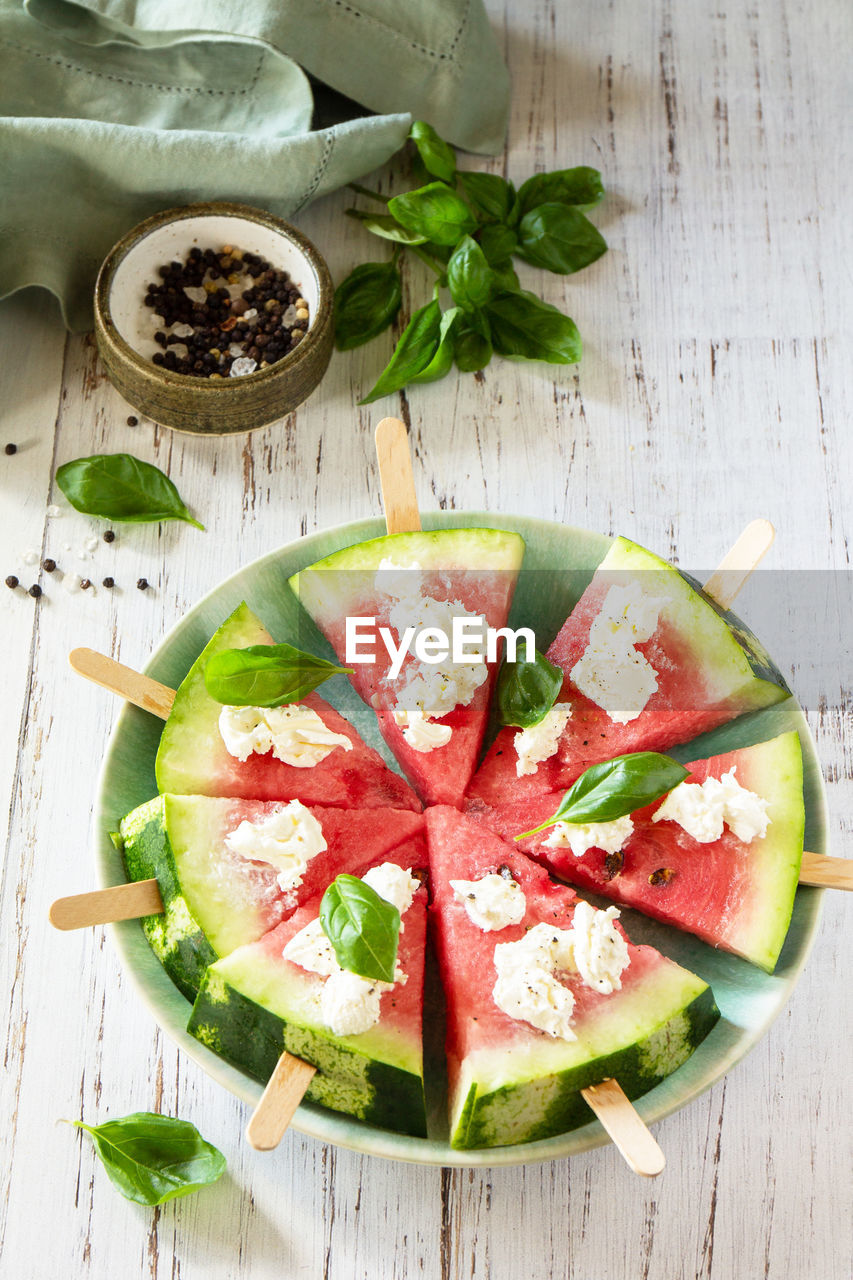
[539, 1104]
[356, 1074]
[195, 713]
[175, 936]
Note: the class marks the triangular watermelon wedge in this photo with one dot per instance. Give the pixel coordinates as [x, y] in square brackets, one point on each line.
[254, 1004]
[734, 895]
[193, 760]
[215, 899]
[388, 579]
[510, 1082]
[707, 667]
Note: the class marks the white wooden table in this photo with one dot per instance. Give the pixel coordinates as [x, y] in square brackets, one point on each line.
[715, 387]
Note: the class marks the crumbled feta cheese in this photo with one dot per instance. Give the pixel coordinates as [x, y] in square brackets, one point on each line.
[350, 1004]
[287, 837]
[295, 734]
[702, 809]
[600, 950]
[242, 366]
[420, 733]
[527, 987]
[492, 902]
[612, 673]
[581, 836]
[312, 950]
[394, 884]
[541, 740]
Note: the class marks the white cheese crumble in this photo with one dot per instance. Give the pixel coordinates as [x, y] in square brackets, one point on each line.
[702, 809]
[430, 690]
[287, 838]
[600, 951]
[541, 740]
[612, 673]
[581, 836]
[350, 1004]
[492, 902]
[296, 734]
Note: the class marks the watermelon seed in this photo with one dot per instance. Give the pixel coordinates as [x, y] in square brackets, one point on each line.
[613, 863]
[663, 875]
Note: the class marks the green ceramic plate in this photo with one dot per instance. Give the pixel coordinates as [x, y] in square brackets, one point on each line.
[748, 999]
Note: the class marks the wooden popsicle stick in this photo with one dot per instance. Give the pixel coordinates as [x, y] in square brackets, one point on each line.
[628, 1131]
[285, 1090]
[824, 872]
[738, 563]
[395, 477]
[141, 690]
[105, 906]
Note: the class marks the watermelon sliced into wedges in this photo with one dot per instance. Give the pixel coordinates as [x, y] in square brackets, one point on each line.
[733, 895]
[510, 1082]
[192, 758]
[254, 1004]
[474, 568]
[708, 668]
[216, 900]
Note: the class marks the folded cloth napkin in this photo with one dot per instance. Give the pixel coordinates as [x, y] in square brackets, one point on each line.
[109, 112]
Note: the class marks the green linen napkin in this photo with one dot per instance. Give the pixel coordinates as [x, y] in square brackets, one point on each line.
[110, 112]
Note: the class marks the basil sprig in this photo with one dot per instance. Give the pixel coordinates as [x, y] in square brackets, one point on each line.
[119, 487]
[152, 1158]
[527, 691]
[615, 788]
[467, 227]
[363, 928]
[265, 675]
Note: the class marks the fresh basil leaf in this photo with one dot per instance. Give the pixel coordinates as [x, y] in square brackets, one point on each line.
[559, 238]
[265, 675]
[469, 277]
[440, 364]
[382, 224]
[366, 303]
[417, 347]
[472, 348]
[152, 1158]
[498, 243]
[363, 928]
[610, 790]
[527, 691]
[506, 279]
[525, 328]
[119, 487]
[580, 186]
[434, 211]
[490, 196]
[438, 156]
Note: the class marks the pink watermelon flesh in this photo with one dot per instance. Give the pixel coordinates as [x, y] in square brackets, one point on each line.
[733, 895]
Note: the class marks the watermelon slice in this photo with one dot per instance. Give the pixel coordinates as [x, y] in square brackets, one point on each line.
[510, 1082]
[214, 899]
[254, 1004]
[193, 760]
[476, 571]
[734, 895]
[707, 667]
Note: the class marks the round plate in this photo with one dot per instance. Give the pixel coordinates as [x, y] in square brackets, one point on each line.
[749, 999]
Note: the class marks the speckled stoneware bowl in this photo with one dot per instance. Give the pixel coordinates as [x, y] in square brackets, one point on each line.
[125, 327]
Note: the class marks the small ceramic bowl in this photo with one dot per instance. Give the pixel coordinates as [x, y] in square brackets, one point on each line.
[125, 327]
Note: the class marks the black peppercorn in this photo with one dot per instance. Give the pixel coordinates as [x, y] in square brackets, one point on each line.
[11, 581]
[11, 448]
[109, 582]
[48, 565]
[35, 591]
[109, 536]
[142, 584]
[85, 584]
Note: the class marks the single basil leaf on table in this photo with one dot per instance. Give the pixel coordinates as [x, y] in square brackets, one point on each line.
[117, 486]
[559, 238]
[498, 243]
[440, 364]
[578, 186]
[470, 279]
[472, 346]
[382, 224]
[438, 156]
[620, 786]
[153, 1158]
[366, 303]
[416, 348]
[265, 675]
[524, 327]
[434, 211]
[363, 928]
[527, 691]
[490, 196]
